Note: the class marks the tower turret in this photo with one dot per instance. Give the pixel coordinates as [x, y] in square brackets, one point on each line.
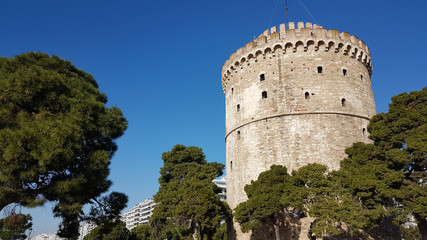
[295, 95]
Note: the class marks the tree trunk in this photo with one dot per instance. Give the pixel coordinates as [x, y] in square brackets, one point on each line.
[195, 233]
[276, 231]
[422, 226]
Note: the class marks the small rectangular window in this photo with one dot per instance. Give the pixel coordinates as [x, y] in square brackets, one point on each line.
[319, 69]
[262, 77]
[344, 72]
[264, 94]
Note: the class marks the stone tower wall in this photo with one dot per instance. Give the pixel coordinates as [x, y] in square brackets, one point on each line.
[294, 96]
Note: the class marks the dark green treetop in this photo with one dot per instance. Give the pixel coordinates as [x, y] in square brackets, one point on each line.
[14, 226]
[109, 231]
[357, 196]
[56, 136]
[263, 199]
[400, 135]
[336, 200]
[141, 232]
[276, 196]
[187, 204]
[107, 209]
[221, 233]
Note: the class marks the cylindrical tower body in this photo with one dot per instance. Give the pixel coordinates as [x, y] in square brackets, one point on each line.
[294, 96]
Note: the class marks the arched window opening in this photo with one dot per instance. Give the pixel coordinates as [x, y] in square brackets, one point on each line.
[238, 135]
[264, 94]
[343, 102]
[344, 72]
[262, 77]
[307, 95]
[363, 131]
[361, 77]
[238, 107]
[319, 69]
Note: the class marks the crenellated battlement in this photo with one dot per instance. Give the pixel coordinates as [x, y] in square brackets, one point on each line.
[295, 38]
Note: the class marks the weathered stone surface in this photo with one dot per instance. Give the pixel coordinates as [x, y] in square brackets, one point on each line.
[315, 100]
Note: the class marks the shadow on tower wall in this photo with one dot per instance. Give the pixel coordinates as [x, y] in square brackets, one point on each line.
[289, 229]
[231, 232]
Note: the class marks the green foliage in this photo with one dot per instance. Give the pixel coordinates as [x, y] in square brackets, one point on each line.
[410, 233]
[14, 226]
[108, 208]
[187, 200]
[357, 196]
[221, 233]
[343, 201]
[276, 196]
[109, 231]
[263, 202]
[141, 232]
[304, 186]
[401, 136]
[56, 136]
[119, 232]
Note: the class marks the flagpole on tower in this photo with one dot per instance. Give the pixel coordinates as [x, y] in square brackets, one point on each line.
[286, 10]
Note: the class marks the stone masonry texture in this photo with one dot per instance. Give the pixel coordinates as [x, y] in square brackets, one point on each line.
[295, 95]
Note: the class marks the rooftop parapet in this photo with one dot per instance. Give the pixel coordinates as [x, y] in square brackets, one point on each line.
[293, 35]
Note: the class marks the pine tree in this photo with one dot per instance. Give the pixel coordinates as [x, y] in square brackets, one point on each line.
[400, 142]
[56, 136]
[187, 203]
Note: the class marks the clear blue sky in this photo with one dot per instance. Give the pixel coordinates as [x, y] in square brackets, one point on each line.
[160, 62]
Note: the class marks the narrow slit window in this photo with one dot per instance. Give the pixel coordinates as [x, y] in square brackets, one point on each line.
[231, 165]
[264, 94]
[307, 95]
[319, 69]
[343, 102]
[238, 107]
[344, 72]
[361, 77]
[238, 135]
[262, 77]
[232, 90]
[363, 131]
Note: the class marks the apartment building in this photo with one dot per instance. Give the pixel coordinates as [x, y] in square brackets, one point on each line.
[140, 214]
